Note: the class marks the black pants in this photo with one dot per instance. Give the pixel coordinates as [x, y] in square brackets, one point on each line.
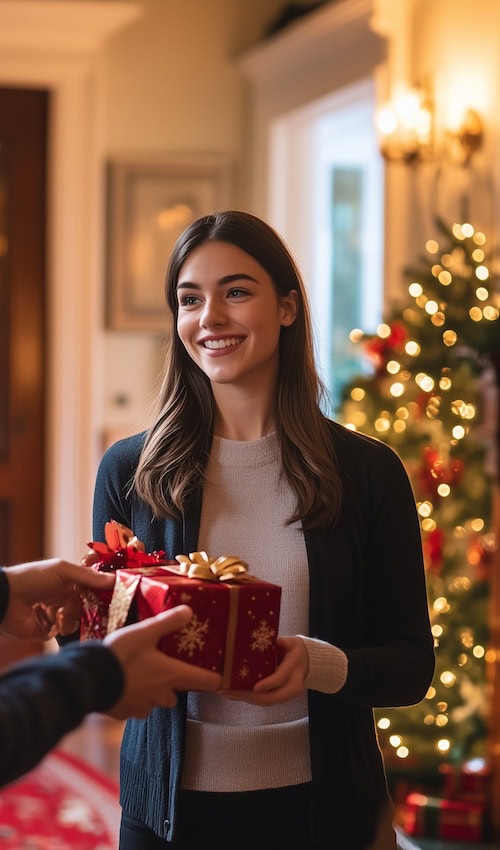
[275, 819]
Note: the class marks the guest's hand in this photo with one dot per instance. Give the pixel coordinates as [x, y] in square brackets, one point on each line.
[39, 590]
[287, 681]
[152, 677]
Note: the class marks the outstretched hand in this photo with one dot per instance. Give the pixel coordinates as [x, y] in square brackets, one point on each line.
[37, 591]
[151, 677]
[287, 681]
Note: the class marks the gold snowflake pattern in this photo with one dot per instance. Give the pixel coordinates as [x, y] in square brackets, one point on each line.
[191, 637]
[262, 636]
[244, 672]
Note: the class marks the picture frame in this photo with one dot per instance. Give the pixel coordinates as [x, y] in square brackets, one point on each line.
[150, 203]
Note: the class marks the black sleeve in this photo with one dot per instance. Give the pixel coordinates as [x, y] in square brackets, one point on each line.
[396, 663]
[4, 593]
[44, 698]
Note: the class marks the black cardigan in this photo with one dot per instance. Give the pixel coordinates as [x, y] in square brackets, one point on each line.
[46, 697]
[367, 596]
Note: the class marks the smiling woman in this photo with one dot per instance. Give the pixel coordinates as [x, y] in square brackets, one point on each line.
[229, 320]
[240, 458]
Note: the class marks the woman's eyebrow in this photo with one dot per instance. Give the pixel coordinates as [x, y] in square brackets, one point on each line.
[228, 278]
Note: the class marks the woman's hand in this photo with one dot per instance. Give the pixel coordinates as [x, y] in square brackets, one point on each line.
[287, 681]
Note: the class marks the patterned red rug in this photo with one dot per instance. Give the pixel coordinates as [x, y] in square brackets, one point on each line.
[63, 804]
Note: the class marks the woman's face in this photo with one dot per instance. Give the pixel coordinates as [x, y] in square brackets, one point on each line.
[230, 315]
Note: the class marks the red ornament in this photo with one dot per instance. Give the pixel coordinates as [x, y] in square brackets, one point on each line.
[380, 350]
[434, 471]
[433, 550]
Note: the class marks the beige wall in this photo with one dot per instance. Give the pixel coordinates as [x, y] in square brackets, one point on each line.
[173, 81]
[173, 85]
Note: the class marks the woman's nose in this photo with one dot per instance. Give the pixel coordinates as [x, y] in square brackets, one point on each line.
[213, 312]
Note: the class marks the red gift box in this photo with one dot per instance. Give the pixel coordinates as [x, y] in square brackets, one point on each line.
[235, 622]
[436, 817]
[468, 781]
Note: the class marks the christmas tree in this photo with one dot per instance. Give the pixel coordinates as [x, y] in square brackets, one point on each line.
[426, 394]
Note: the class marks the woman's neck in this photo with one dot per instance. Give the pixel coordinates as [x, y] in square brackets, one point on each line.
[243, 417]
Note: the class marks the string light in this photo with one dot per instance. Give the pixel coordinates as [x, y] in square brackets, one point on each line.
[356, 335]
[383, 331]
[482, 273]
[393, 367]
[491, 313]
[449, 338]
[397, 389]
[431, 307]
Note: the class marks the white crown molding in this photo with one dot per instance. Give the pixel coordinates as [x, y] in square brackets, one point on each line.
[72, 26]
[318, 33]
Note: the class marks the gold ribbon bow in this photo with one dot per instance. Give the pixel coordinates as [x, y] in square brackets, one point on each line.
[223, 568]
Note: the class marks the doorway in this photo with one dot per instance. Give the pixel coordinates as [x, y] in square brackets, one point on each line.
[23, 124]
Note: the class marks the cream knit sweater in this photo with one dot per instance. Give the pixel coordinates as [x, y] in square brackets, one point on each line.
[233, 745]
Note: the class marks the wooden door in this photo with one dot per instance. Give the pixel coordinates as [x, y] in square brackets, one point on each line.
[23, 121]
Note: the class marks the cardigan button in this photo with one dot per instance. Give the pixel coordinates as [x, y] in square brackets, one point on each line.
[166, 826]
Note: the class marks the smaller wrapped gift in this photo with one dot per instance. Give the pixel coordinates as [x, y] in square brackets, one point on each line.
[468, 781]
[436, 817]
[235, 619]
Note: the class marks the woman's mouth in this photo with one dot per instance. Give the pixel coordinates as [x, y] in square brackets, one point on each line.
[227, 342]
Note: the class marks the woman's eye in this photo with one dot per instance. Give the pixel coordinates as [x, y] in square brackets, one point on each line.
[188, 300]
[236, 292]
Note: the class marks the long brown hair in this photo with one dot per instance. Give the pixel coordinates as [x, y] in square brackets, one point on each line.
[174, 456]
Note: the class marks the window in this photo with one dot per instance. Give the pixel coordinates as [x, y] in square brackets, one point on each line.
[327, 200]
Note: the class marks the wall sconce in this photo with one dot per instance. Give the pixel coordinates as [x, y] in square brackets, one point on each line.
[405, 127]
[462, 143]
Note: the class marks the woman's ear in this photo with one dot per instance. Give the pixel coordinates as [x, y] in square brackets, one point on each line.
[289, 304]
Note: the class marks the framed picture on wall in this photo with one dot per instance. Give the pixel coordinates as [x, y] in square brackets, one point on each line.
[150, 203]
